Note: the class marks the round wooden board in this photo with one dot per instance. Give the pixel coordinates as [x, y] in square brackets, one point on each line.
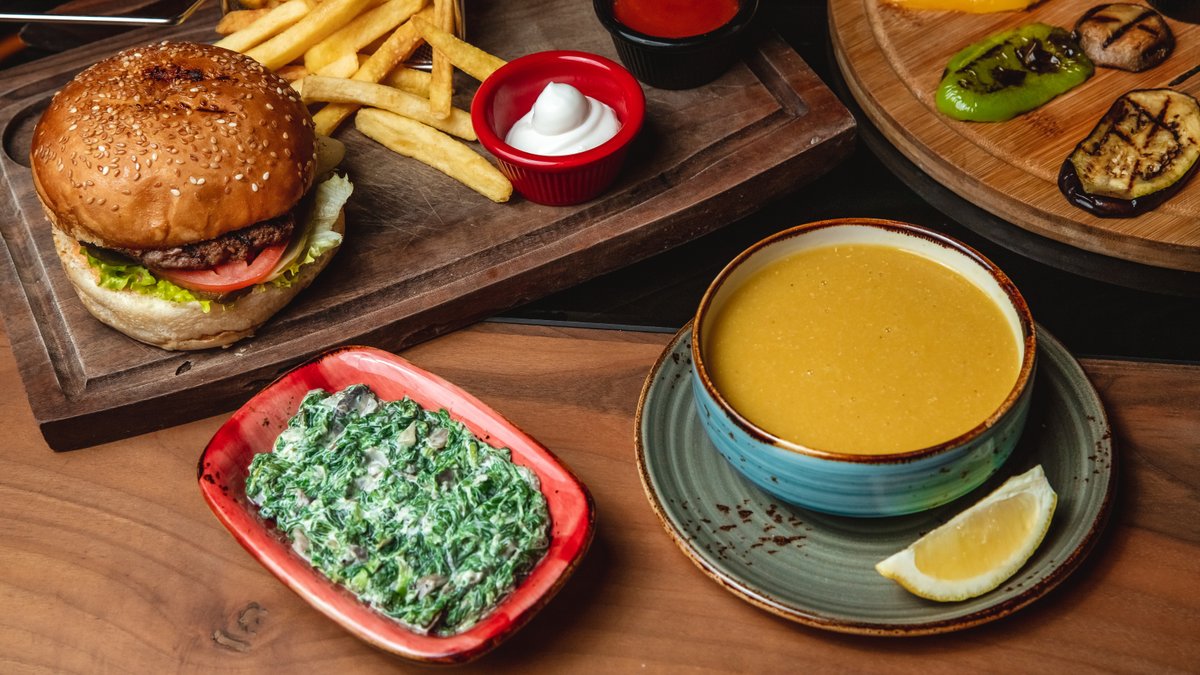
[893, 59]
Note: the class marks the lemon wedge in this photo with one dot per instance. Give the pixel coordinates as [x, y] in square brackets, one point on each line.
[981, 547]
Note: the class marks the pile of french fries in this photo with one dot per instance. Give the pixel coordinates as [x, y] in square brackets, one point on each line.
[350, 55]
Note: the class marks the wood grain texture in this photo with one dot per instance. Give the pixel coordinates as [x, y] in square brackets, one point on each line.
[893, 59]
[423, 254]
[112, 562]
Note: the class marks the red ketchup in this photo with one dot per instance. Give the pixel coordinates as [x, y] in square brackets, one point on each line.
[674, 18]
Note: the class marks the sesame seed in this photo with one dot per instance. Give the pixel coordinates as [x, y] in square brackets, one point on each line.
[237, 176]
[104, 170]
[266, 175]
[174, 192]
[199, 181]
[254, 187]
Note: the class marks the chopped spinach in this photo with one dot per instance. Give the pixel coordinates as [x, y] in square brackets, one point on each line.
[403, 506]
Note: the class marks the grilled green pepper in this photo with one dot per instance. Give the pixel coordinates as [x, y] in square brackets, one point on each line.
[1011, 72]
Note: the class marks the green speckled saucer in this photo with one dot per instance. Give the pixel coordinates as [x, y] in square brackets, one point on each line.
[818, 569]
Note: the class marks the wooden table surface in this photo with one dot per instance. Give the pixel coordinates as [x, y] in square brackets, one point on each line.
[111, 562]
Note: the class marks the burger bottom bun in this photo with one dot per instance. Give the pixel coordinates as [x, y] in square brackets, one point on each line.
[180, 325]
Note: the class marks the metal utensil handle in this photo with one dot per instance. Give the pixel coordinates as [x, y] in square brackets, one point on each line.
[96, 19]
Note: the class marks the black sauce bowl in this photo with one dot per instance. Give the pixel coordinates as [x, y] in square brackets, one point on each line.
[678, 63]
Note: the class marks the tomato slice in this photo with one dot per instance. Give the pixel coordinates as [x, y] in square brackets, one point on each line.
[229, 276]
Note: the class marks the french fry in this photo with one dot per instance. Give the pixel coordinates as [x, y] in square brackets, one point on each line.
[292, 73]
[399, 46]
[413, 81]
[332, 90]
[273, 22]
[430, 146]
[240, 19]
[317, 25]
[441, 86]
[466, 57]
[362, 31]
[346, 66]
[374, 46]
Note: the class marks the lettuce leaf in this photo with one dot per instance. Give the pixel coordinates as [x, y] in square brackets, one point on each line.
[131, 276]
[318, 236]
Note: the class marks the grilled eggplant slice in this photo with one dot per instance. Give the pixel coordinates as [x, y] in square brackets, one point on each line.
[1125, 36]
[1140, 154]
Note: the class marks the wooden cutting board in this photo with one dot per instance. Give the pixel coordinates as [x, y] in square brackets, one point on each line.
[423, 255]
[893, 59]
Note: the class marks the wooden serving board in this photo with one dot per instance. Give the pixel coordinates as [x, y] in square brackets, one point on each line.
[893, 59]
[423, 255]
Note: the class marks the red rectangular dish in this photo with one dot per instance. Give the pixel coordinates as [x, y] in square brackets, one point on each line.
[253, 429]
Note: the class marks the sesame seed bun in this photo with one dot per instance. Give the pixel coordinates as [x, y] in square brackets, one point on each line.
[180, 325]
[171, 144]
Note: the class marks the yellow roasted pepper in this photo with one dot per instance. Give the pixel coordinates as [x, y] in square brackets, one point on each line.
[973, 6]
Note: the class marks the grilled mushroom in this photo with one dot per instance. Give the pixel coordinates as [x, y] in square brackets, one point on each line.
[1125, 36]
[1139, 154]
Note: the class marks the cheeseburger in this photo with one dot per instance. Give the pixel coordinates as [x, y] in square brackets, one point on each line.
[179, 181]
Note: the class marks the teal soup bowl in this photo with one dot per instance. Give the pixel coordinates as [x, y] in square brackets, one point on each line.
[848, 483]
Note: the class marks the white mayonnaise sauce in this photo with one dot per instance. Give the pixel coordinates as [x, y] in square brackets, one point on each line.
[563, 122]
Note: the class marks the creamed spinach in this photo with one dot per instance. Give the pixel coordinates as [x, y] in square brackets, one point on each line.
[402, 505]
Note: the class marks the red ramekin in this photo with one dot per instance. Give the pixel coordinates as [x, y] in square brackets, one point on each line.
[507, 94]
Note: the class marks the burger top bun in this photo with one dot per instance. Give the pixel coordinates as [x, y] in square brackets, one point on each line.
[170, 144]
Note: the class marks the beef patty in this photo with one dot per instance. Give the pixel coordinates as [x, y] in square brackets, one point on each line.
[241, 244]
